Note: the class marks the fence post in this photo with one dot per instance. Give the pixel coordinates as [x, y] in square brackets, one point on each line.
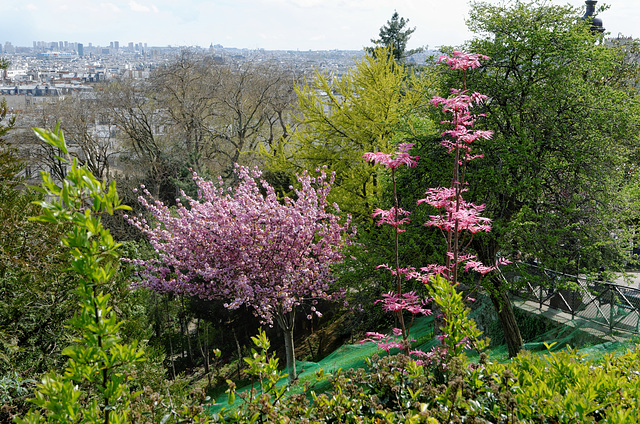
[540, 298]
[608, 286]
[573, 304]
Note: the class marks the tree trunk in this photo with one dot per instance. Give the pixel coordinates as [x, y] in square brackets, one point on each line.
[286, 322]
[502, 304]
[235, 336]
[487, 253]
[173, 365]
[204, 348]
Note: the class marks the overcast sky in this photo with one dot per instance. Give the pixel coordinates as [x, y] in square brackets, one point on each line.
[269, 24]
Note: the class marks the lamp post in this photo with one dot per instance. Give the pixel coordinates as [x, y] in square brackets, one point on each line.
[589, 16]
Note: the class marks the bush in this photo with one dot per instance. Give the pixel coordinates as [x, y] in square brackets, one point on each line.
[555, 387]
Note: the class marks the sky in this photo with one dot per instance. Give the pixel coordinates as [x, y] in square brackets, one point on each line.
[268, 24]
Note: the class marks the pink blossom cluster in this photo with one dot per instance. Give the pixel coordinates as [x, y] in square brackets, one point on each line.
[461, 136]
[459, 215]
[387, 342]
[463, 61]
[390, 217]
[393, 160]
[409, 301]
[244, 244]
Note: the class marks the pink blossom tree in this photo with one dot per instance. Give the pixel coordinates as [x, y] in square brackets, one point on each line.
[246, 246]
[458, 218]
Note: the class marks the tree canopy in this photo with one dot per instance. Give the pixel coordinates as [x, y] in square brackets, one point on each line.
[247, 247]
[564, 111]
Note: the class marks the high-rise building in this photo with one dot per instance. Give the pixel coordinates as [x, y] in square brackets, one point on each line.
[80, 50]
[116, 45]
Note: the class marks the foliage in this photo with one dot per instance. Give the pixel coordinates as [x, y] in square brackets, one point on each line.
[94, 386]
[261, 405]
[36, 294]
[395, 37]
[457, 219]
[551, 387]
[459, 331]
[13, 391]
[554, 177]
[555, 174]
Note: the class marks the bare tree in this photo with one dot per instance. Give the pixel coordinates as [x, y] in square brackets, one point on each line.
[141, 122]
[38, 156]
[187, 89]
[90, 133]
[221, 113]
[257, 107]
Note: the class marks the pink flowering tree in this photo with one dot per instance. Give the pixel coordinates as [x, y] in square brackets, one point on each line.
[458, 220]
[397, 302]
[246, 246]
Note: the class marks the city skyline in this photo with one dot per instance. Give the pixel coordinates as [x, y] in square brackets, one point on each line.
[268, 24]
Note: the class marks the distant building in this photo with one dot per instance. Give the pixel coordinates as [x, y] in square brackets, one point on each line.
[80, 50]
[8, 48]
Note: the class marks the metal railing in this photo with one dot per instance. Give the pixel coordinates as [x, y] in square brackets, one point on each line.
[614, 306]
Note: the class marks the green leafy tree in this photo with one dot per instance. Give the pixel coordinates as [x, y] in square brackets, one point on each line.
[564, 111]
[395, 36]
[95, 385]
[4, 63]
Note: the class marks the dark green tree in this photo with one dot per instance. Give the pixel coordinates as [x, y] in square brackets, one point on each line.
[95, 384]
[564, 110]
[395, 36]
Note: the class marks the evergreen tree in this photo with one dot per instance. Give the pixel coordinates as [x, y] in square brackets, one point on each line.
[393, 35]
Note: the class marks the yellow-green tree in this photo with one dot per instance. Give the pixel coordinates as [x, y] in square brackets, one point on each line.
[369, 109]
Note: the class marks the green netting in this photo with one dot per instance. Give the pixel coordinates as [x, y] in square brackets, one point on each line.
[351, 356]
[538, 332]
[555, 327]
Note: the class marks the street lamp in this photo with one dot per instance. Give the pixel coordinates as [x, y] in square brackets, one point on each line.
[589, 16]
